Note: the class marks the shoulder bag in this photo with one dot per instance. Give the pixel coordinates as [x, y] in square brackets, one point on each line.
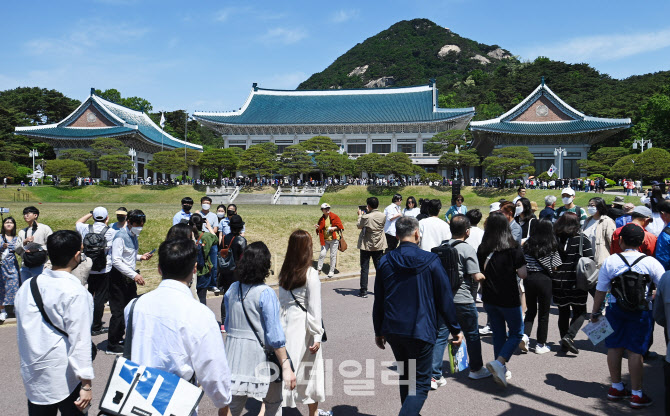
[269, 352]
[129, 385]
[587, 270]
[324, 337]
[343, 244]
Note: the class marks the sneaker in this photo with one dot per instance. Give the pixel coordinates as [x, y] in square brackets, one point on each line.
[616, 395]
[100, 331]
[567, 344]
[508, 375]
[114, 349]
[441, 382]
[331, 274]
[542, 349]
[486, 330]
[321, 412]
[498, 371]
[223, 329]
[433, 384]
[523, 345]
[363, 294]
[479, 374]
[217, 291]
[3, 317]
[637, 402]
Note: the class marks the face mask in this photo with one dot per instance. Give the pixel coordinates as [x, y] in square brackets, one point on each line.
[592, 210]
[220, 214]
[136, 230]
[568, 200]
[231, 213]
[82, 258]
[120, 218]
[186, 208]
[518, 211]
[206, 207]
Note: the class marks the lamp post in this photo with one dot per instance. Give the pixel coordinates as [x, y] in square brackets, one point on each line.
[33, 153]
[642, 142]
[132, 153]
[560, 152]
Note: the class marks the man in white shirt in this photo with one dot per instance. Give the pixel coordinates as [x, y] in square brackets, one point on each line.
[632, 329]
[98, 280]
[56, 369]
[124, 278]
[174, 332]
[34, 233]
[392, 212]
[433, 229]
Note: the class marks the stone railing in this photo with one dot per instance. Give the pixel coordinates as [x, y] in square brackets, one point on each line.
[275, 197]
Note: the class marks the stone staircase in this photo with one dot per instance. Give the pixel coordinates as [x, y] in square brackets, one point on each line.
[253, 199]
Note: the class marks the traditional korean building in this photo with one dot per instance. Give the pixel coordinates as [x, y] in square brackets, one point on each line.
[546, 124]
[360, 121]
[97, 117]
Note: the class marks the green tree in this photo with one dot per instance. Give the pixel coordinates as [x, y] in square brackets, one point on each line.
[654, 119]
[295, 161]
[460, 161]
[623, 168]
[367, 163]
[65, 169]
[7, 170]
[431, 177]
[115, 164]
[318, 144]
[136, 103]
[509, 162]
[79, 155]
[396, 163]
[652, 164]
[333, 163]
[191, 157]
[220, 160]
[259, 159]
[447, 141]
[600, 161]
[167, 162]
[108, 146]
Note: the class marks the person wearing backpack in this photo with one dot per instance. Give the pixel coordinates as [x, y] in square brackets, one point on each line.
[433, 229]
[205, 241]
[97, 241]
[628, 276]
[34, 233]
[232, 247]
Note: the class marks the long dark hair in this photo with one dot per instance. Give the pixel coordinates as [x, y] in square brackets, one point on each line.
[412, 200]
[600, 205]
[527, 212]
[655, 199]
[298, 260]
[565, 227]
[542, 241]
[497, 234]
[3, 226]
[254, 266]
[179, 231]
[196, 222]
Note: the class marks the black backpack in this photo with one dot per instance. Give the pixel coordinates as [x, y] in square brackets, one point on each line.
[94, 248]
[629, 288]
[449, 258]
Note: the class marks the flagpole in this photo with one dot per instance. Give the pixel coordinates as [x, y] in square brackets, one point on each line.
[185, 140]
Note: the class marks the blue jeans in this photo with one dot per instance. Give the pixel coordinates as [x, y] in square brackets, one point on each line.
[505, 344]
[468, 319]
[28, 272]
[404, 350]
[440, 346]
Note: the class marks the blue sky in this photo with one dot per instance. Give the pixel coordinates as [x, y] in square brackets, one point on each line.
[204, 55]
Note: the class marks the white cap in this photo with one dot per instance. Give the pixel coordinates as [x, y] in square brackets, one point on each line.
[494, 206]
[100, 213]
[325, 205]
[568, 191]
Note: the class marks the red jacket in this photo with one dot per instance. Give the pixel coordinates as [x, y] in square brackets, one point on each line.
[334, 222]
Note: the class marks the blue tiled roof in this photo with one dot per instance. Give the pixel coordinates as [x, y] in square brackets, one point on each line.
[550, 128]
[128, 122]
[390, 105]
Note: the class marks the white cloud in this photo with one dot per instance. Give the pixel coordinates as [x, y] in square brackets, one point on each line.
[342, 16]
[287, 81]
[283, 35]
[602, 48]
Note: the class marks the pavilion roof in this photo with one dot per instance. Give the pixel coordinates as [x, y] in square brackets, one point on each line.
[126, 122]
[359, 106]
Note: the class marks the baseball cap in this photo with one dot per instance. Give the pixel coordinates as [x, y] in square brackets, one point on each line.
[655, 183]
[494, 206]
[568, 191]
[325, 205]
[100, 213]
[632, 233]
[642, 211]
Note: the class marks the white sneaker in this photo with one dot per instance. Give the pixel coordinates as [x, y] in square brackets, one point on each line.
[321, 412]
[433, 384]
[486, 330]
[331, 274]
[508, 375]
[3, 317]
[523, 345]
[479, 374]
[441, 382]
[542, 349]
[498, 371]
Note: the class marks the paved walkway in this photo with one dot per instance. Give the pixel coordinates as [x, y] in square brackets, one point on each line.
[549, 384]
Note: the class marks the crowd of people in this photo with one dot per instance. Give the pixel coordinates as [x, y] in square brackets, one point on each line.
[432, 269]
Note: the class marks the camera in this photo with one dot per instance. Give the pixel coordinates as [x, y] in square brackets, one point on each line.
[363, 208]
[4, 210]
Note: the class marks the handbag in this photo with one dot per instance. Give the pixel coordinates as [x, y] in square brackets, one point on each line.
[269, 353]
[324, 337]
[587, 270]
[34, 289]
[343, 244]
[128, 389]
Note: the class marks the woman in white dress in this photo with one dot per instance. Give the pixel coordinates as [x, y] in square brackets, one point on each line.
[300, 302]
[411, 208]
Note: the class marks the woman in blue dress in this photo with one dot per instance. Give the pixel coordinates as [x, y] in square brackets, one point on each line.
[9, 268]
